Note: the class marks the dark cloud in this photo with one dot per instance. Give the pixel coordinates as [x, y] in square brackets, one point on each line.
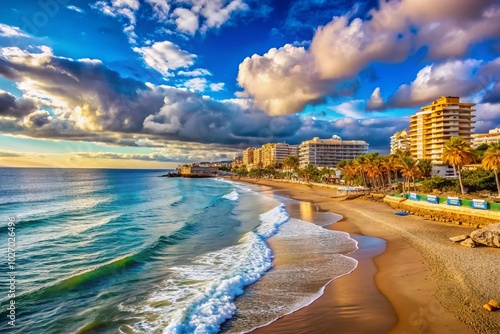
[11, 106]
[493, 95]
[104, 107]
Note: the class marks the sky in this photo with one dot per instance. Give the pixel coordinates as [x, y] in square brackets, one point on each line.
[157, 83]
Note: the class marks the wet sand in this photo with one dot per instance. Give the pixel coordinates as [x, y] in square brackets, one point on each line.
[410, 277]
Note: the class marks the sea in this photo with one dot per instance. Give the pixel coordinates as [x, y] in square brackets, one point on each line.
[127, 251]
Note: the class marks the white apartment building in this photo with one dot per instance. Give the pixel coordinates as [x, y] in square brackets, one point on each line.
[328, 152]
[485, 138]
[400, 141]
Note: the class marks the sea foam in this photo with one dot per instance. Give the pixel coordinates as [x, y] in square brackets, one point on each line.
[232, 196]
[199, 297]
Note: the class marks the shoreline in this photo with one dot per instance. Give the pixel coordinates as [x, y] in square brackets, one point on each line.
[408, 287]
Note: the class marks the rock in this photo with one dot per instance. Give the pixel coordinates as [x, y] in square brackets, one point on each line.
[459, 238]
[494, 303]
[468, 243]
[489, 307]
[489, 236]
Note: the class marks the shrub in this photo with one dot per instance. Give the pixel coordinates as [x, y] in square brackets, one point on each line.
[479, 179]
[440, 183]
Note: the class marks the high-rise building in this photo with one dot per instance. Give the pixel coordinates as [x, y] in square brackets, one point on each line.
[257, 158]
[433, 125]
[282, 150]
[400, 141]
[328, 152]
[485, 138]
[248, 157]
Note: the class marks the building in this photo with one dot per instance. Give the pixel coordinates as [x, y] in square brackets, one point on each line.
[257, 158]
[196, 170]
[433, 125]
[400, 141]
[275, 153]
[328, 152]
[486, 138]
[248, 157]
[282, 150]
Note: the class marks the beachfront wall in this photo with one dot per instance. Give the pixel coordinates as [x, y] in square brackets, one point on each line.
[460, 215]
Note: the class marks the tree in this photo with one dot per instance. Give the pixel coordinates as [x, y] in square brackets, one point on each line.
[491, 161]
[458, 153]
[291, 162]
[409, 169]
[425, 167]
[309, 172]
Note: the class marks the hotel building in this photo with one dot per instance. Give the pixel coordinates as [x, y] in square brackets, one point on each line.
[400, 141]
[433, 125]
[486, 138]
[328, 152]
[248, 157]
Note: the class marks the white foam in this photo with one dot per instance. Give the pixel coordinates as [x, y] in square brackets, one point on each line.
[199, 297]
[232, 196]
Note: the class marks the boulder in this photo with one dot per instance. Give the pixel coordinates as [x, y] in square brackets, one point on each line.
[489, 307]
[459, 238]
[468, 243]
[489, 236]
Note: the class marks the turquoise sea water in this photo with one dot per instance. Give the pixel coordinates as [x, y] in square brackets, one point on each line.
[110, 251]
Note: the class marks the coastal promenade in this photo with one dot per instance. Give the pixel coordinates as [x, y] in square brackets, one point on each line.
[431, 284]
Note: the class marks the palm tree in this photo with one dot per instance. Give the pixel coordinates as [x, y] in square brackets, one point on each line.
[409, 169]
[491, 161]
[388, 165]
[348, 170]
[458, 153]
[291, 162]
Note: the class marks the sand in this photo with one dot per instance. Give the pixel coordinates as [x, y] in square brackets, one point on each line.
[410, 277]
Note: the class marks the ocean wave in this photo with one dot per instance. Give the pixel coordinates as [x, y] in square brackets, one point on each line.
[113, 267]
[199, 297]
[232, 196]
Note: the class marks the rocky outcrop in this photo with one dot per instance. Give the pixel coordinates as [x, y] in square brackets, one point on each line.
[488, 236]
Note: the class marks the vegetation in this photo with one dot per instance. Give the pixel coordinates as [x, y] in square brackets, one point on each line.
[491, 161]
[458, 153]
[440, 183]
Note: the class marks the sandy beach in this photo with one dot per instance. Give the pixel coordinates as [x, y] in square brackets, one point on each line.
[410, 277]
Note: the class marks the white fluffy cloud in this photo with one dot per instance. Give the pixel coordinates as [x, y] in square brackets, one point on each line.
[375, 102]
[165, 56]
[10, 31]
[186, 20]
[456, 78]
[345, 46]
[160, 7]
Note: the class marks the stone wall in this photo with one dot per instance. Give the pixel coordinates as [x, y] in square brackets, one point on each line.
[445, 213]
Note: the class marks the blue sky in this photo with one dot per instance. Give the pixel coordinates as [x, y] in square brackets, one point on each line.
[153, 83]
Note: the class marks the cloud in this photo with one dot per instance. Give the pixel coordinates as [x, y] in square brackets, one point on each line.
[487, 117]
[351, 109]
[375, 102]
[341, 49]
[195, 73]
[160, 7]
[11, 31]
[165, 56]
[76, 9]
[455, 78]
[123, 9]
[186, 20]
[197, 84]
[37, 119]
[11, 106]
[217, 87]
[96, 104]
